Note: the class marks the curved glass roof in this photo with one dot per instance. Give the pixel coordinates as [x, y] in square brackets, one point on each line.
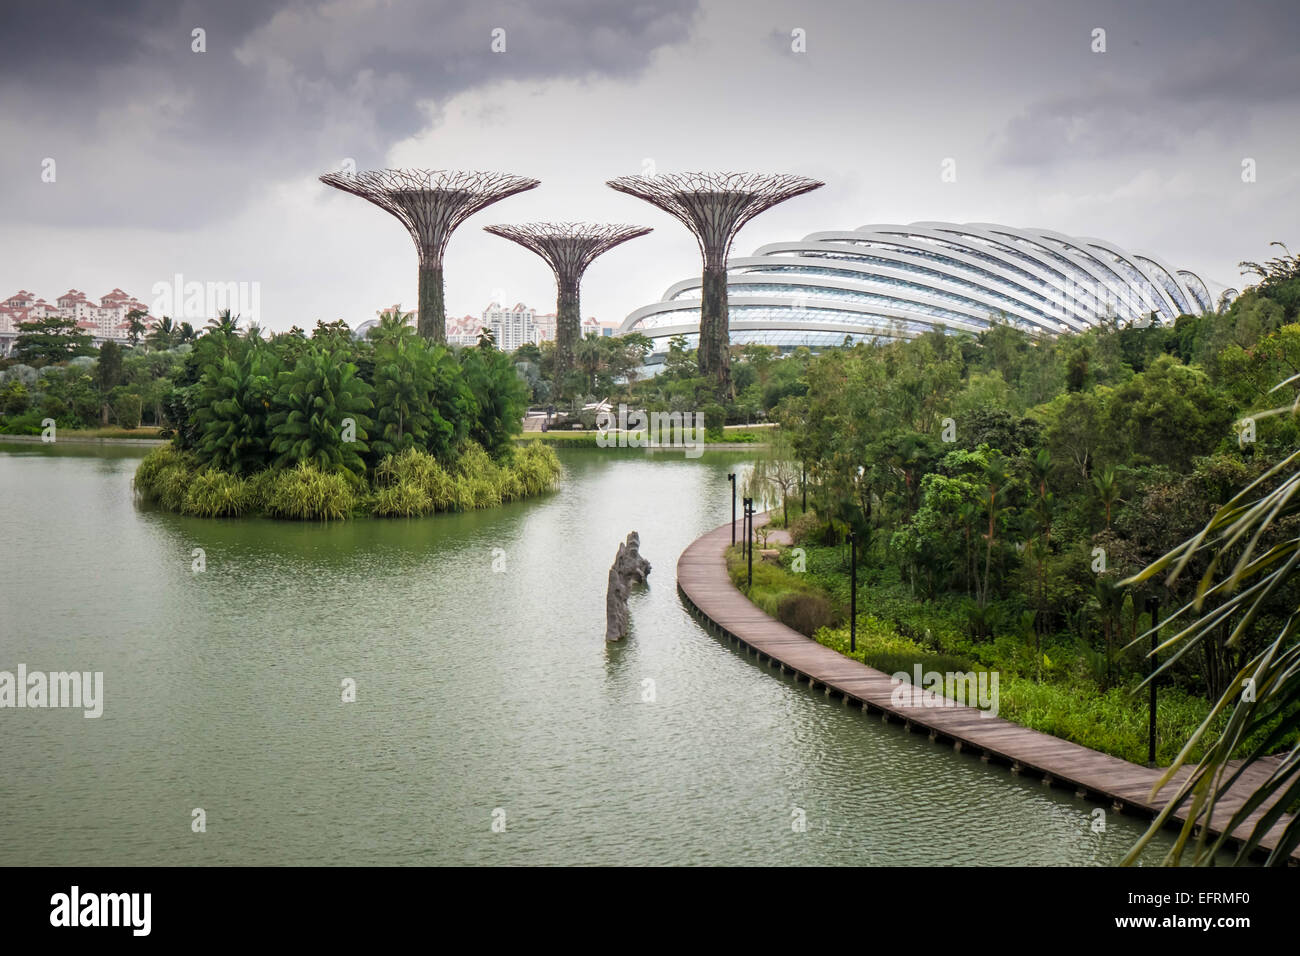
[895, 280]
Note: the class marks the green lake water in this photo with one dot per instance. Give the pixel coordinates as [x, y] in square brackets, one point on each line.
[483, 694]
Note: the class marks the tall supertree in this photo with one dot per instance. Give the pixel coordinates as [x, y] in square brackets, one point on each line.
[714, 206]
[568, 248]
[431, 203]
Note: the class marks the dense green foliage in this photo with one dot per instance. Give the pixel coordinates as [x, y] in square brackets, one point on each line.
[1000, 489]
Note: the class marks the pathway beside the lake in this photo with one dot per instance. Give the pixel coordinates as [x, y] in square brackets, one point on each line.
[703, 582]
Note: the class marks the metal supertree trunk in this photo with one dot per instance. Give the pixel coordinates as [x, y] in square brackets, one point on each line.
[714, 206]
[568, 248]
[431, 203]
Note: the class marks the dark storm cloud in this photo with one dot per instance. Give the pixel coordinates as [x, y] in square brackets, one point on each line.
[1169, 72]
[146, 132]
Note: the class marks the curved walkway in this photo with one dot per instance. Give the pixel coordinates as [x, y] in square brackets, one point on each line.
[704, 584]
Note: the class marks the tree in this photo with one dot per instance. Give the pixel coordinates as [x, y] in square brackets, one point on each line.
[49, 340]
[135, 326]
[680, 360]
[1107, 486]
[405, 378]
[498, 398]
[225, 323]
[1169, 414]
[108, 374]
[164, 335]
[319, 413]
[233, 407]
[1251, 555]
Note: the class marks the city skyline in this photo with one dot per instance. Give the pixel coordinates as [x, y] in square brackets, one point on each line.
[1150, 141]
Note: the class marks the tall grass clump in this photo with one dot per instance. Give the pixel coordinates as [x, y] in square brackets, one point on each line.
[307, 493]
[536, 469]
[217, 494]
[407, 484]
[405, 499]
[148, 474]
[164, 477]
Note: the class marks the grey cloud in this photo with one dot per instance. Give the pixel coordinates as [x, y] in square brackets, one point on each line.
[146, 132]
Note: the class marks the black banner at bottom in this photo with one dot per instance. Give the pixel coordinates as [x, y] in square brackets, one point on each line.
[136, 905]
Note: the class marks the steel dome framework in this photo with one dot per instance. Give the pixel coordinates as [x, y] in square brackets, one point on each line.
[898, 281]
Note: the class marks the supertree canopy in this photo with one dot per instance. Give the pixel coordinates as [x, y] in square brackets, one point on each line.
[714, 206]
[568, 248]
[431, 203]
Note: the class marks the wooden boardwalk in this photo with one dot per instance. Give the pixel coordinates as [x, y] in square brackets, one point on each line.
[703, 583]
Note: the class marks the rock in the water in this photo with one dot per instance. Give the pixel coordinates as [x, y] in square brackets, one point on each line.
[628, 568]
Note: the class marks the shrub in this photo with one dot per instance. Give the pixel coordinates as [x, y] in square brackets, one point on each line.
[216, 494]
[536, 469]
[28, 423]
[127, 409]
[805, 612]
[715, 418]
[407, 499]
[804, 527]
[305, 492]
[149, 474]
[172, 485]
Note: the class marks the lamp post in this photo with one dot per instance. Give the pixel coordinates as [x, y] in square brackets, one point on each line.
[1153, 608]
[732, 478]
[853, 592]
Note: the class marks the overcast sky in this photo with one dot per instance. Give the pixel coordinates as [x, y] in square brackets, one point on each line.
[204, 164]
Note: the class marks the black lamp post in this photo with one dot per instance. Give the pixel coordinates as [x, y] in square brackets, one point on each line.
[1153, 608]
[732, 478]
[853, 592]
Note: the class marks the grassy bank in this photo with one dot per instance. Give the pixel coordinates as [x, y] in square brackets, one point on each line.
[146, 432]
[409, 484]
[895, 633]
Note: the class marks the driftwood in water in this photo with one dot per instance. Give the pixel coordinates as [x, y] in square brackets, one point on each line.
[629, 568]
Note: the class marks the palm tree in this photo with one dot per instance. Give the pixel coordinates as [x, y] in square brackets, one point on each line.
[486, 338]
[186, 334]
[392, 325]
[1260, 700]
[312, 404]
[1107, 491]
[224, 322]
[164, 333]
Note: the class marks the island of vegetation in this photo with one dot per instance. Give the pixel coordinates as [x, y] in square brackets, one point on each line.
[328, 426]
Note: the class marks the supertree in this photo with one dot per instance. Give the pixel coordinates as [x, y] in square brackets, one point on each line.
[431, 203]
[714, 206]
[568, 248]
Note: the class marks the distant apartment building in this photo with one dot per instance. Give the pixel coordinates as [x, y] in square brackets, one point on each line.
[463, 330]
[511, 327]
[103, 321]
